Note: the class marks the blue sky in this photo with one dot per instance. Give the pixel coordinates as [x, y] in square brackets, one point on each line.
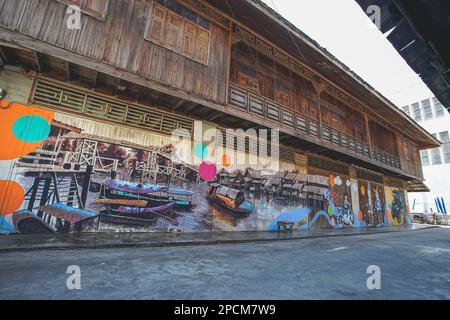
[345, 30]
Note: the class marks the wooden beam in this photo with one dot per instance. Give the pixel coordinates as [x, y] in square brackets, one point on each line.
[178, 105]
[367, 129]
[3, 57]
[94, 79]
[140, 93]
[13, 45]
[190, 107]
[211, 117]
[37, 61]
[119, 86]
[67, 70]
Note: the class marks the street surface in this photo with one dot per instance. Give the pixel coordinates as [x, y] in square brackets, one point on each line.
[413, 265]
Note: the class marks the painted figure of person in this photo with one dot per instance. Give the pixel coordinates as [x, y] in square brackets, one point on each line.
[378, 206]
[397, 206]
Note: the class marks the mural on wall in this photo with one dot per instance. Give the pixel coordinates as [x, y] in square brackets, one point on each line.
[378, 202]
[371, 203]
[22, 130]
[330, 206]
[397, 209]
[58, 179]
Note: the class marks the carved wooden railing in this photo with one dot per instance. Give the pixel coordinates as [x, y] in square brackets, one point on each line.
[345, 141]
[385, 157]
[259, 106]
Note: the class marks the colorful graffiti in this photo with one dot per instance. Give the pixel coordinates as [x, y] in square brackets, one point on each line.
[56, 179]
[23, 129]
[371, 203]
[336, 211]
[397, 209]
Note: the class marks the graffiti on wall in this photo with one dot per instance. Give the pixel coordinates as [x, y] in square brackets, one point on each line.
[397, 209]
[22, 130]
[331, 206]
[371, 203]
[378, 202]
[58, 179]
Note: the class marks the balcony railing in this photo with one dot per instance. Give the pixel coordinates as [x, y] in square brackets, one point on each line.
[345, 141]
[385, 157]
[259, 106]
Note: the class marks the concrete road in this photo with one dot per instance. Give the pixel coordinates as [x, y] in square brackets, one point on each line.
[414, 265]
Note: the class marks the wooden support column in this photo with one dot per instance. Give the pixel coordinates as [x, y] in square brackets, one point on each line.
[67, 71]
[319, 90]
[3, 60]
[366, 126]
[37, 61]
[94, 80]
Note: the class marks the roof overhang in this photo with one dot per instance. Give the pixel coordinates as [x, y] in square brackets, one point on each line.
[259, 17]
[416, 186]
[421, 32]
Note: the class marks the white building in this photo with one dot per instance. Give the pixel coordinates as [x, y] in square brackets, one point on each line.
[432, 116]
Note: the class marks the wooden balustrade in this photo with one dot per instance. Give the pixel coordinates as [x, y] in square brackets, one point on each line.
[257, 105]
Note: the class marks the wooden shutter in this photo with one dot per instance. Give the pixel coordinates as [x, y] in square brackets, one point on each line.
[335, 121]
[312, 110]
[189, 39]
[95, 7]
[326, 115]
[248, 82]
[282, 97]
[202, 45]
[155, 30]
[173, 31]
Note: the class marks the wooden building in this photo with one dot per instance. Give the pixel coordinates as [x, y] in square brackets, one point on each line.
[138, 69]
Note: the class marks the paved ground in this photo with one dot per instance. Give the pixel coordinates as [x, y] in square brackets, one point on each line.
[85, 240]
[414, 265]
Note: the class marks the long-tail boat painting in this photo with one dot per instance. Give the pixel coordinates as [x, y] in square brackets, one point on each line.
[135, 215]
[231, 199]
[88, 149]
[153, 194]
[26, 222]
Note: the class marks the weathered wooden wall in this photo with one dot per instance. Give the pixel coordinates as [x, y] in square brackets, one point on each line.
[119, 41]
[17, 85]
[409, 157]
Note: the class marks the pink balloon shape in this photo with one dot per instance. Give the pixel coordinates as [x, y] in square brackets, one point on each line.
[207, 171]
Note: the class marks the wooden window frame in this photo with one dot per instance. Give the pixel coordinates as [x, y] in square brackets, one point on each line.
[180, 49]
[88, 12]
[250, 80]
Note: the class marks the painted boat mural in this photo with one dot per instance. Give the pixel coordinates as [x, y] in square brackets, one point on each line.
[54, 190]
[154, 194]
[127, 221]
[67, 213]
[134, 188]
[28, 223]
[166, 208]
[232, 199]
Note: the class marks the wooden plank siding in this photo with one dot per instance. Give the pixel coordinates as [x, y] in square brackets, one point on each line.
[409, 157]
[119, 41]
[287, 95]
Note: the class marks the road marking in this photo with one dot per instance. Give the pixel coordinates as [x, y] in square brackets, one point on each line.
[433, 250]
[337, 249]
